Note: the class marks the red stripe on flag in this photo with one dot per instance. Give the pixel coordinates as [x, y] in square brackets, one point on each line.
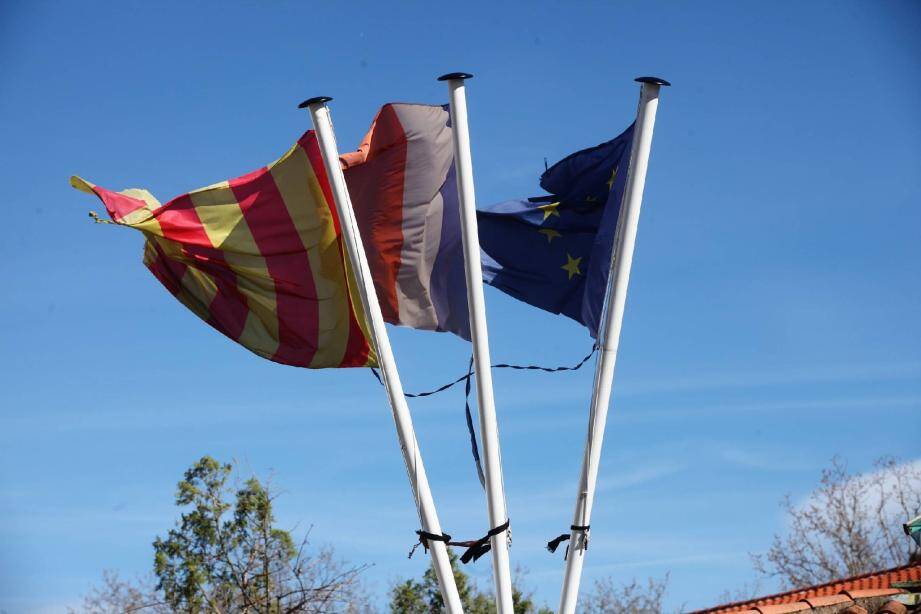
[311, 147]
[356, 348]
[227, 311]
[118, 205]
[287, 262]
[168, 272]
[376, 187]
[229, 308]
[180, 222]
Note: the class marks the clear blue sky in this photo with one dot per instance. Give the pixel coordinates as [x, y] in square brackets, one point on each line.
[773, 317]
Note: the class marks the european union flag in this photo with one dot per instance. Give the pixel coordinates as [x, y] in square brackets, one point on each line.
[554, 252]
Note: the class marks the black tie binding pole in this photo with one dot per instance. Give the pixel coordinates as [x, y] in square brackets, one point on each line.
[475, 548]
[554, 543]
[425, 537]
[478, 547]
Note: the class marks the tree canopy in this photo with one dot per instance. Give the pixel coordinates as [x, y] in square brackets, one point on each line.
[226, 554]
[424, 597]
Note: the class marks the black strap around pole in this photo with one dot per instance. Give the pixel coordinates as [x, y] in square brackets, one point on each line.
[478, 547]
[425, 537]
[475, 548]
[554, 543]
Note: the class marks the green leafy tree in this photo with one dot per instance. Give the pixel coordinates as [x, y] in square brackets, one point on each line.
[225, 555]
[605, 597]
[424, 597]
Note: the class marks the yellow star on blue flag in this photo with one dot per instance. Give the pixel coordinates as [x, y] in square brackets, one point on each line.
[572, 266]
[549, 209]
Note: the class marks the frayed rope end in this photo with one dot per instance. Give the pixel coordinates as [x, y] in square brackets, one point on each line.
[98, 219]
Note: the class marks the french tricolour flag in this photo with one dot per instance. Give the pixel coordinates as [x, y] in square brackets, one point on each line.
[404, 193]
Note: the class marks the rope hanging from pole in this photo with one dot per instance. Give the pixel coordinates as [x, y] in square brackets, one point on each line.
[478, 547]
[474, 448]
[468, 415]
[501, 365]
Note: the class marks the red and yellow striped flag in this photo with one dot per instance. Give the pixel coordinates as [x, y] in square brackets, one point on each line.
[260, 258]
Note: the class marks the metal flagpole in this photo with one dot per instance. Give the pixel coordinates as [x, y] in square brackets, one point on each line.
[489, 433]
[401, 417]
[609, 337]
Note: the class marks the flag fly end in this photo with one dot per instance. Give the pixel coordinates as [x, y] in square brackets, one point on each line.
[81, 184]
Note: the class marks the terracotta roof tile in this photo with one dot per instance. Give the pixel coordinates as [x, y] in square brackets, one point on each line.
[893, 607]
[784, 608]
[871, 592]
[826, 600]
[873, 582]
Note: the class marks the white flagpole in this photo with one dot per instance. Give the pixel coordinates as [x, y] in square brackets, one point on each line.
[489, 433]
[609, 337]
[401, 417]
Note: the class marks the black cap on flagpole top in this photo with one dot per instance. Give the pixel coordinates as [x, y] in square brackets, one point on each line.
[314, 100]
[452, 76]
[653, 80]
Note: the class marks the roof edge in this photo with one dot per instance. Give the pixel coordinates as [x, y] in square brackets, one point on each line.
[802, 591]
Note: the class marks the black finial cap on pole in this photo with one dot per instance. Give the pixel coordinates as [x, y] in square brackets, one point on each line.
[653, 80]
[314, 100]
[451, 76]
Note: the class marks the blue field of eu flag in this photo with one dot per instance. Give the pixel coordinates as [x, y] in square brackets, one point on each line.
[554, 252]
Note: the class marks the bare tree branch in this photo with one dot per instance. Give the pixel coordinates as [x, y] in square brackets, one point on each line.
[849, 525]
